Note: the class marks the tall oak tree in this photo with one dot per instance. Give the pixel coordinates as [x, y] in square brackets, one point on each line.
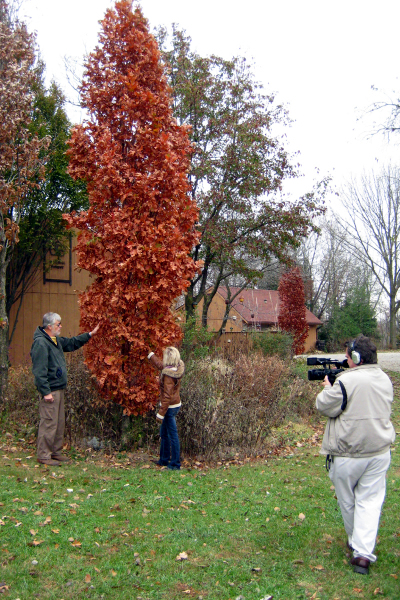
[137, 235]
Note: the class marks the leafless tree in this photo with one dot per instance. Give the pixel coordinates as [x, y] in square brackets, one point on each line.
[372, 224]
[327, 268]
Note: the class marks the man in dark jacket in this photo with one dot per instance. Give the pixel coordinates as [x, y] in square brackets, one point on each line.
[50, 371]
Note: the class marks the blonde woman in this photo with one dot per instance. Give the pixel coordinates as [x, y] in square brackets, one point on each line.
[171, 370]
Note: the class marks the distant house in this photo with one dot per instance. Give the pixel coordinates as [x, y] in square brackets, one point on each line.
[252, 310]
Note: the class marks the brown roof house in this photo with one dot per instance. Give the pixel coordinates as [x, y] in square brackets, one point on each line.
[251, 310]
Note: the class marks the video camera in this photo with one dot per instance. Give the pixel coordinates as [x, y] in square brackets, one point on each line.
[338, 366]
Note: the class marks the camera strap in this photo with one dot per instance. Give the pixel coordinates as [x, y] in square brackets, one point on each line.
[344, 393]
[328, 462]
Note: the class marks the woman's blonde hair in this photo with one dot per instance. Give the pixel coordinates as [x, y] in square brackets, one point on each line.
[171, 357]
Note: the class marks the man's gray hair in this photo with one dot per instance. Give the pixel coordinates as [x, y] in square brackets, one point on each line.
[50, 318]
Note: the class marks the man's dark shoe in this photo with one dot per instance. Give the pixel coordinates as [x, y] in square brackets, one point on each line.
[361, 565]
[49, 461]
[174, 468]
[60, 458]
[159, 464]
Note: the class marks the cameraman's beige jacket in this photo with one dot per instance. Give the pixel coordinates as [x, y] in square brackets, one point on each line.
[361, 428]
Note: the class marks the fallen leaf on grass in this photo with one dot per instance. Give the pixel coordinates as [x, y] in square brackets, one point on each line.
[377, 591]
[36, 543]
[302, 516]
[38, 513]
[298, 561]
[4, 587]
[88, 579]
[256, 569]
[113, 573]
[97, 570]
[55, 530]
[2, 522]
[357, 590]
[319, 568]
[182, 556]
[76, 544]
[47, 520]
[394, 576]
[277, 508]
[97, 530]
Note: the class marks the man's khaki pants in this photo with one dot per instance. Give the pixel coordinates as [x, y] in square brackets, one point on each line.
[51, 426]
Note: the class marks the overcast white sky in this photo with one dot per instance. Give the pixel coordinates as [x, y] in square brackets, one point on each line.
[320, 57]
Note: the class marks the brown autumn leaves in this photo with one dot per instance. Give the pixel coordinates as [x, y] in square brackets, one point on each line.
[137, 235]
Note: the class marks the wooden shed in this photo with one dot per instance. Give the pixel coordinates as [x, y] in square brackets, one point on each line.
[54, 290]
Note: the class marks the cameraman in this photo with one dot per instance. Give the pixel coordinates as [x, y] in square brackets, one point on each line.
[357, 443]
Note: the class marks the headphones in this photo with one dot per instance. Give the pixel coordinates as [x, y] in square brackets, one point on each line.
[355, 356]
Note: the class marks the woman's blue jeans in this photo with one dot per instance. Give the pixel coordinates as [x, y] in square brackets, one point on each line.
[169, 449]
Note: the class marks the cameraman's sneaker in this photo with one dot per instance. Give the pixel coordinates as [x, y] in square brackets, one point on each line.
[361, 565]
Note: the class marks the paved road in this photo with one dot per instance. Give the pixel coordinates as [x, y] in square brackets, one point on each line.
[387, 360]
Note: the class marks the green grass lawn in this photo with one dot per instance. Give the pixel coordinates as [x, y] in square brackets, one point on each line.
[114, 528]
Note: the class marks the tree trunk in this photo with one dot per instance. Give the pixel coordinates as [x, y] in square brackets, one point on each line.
[3, 329]
[189, 306]
[206, 303]
[392, 322]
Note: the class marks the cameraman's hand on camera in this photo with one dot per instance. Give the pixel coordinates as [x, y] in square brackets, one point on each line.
[326, 382]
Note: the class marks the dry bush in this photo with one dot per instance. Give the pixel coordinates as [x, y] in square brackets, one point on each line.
[227, 409]
[227, 406]
[87, 414]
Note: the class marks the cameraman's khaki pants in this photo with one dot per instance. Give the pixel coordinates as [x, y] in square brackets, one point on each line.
[360, 485]
[51, 427]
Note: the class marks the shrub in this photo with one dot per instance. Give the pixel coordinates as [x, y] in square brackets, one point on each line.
[87, 414]
[196, 340]
[273, 343]
[227, 406]
[233, 406]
